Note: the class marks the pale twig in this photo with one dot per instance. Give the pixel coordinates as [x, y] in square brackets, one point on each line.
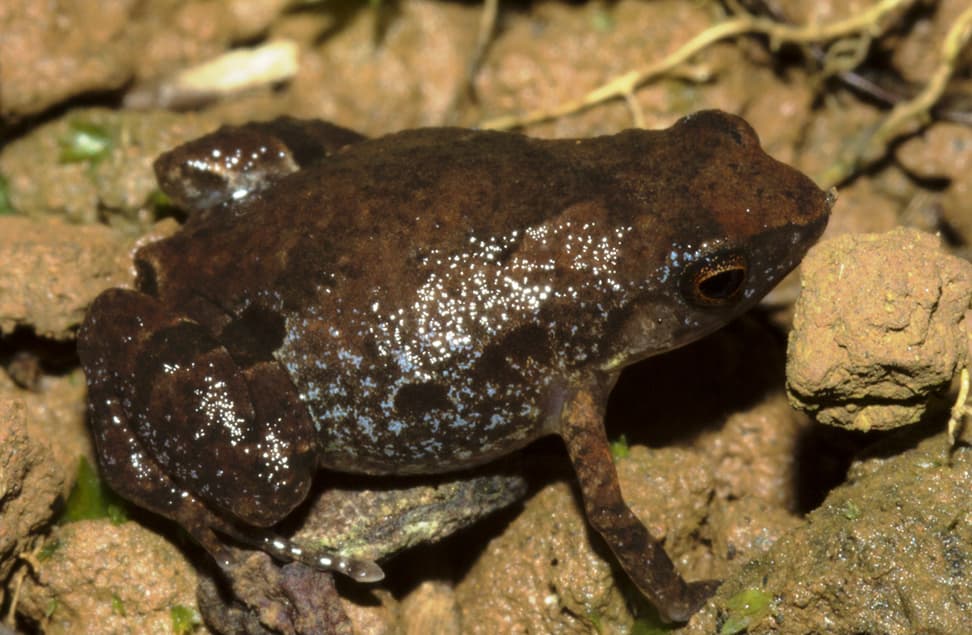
[637, 116]
[870, 20]
[465, 92]
[919, 107]
[908, 116]
[960, 409]
[29, 557]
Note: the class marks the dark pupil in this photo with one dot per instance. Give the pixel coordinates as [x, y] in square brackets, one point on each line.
[721, 285]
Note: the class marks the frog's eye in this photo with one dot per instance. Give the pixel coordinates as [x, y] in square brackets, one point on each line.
[716, 280]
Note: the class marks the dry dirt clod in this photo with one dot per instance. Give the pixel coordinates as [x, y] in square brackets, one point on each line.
[879, 329]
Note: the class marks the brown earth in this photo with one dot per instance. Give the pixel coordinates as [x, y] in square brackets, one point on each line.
[738, 485]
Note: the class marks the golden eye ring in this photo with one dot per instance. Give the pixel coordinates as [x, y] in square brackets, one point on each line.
[716, 280]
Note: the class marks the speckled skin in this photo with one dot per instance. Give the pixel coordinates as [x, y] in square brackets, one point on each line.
[420, 303]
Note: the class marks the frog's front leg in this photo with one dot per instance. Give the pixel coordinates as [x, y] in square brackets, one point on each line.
[237, 161]
[641, 556]
[182, 429]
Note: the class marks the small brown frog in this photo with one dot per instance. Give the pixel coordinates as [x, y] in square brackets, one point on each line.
[419, 303]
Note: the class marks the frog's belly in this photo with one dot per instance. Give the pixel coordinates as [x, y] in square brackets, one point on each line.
[381, 409]
[356, 439]
[427, 427]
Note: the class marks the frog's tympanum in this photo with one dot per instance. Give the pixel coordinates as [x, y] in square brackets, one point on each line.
[422, 302]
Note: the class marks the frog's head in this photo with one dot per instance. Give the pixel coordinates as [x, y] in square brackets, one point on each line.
[722, 223]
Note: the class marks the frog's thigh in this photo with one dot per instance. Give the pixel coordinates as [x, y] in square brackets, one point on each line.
[643, 559]
[136, 476]
[233, 436]
[108, 344]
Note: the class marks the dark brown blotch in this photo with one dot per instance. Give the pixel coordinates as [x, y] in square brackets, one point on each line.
[254, 335]
[419, 399]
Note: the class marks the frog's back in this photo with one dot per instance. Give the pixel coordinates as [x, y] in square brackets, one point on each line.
[375, 210]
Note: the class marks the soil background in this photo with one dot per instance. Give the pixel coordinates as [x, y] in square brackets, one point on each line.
[815, 528]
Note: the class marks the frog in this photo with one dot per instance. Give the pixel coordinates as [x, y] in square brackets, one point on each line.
[420, 303]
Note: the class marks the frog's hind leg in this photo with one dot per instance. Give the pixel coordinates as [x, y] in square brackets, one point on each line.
[145, 447]
[234, 436]
[107, 343]
[137, 477]
[134, 474]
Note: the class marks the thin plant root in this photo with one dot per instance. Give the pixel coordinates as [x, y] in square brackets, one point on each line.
[872, 21]
[907, 117]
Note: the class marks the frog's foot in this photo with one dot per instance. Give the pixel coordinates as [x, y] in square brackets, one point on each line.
[280, 548]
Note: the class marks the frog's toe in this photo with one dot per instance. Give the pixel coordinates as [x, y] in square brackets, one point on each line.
[696, 595]
[702, 590]
[363, 570]
[357, 569]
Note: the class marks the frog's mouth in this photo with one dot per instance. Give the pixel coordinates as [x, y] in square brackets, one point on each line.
[650, 329]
